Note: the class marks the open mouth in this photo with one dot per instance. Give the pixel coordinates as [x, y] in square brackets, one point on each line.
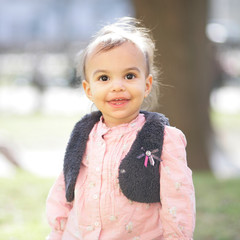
[118, 101]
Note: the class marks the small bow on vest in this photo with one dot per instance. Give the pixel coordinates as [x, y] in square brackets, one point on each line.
[149, 156]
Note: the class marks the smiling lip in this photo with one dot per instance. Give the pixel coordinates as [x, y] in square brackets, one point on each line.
[118, 102]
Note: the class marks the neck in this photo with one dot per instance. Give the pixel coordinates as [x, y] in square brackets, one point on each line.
[113, 122]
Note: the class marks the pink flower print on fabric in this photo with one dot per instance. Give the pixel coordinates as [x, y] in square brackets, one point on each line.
[61, 223]
[129, 227]
[173, 211]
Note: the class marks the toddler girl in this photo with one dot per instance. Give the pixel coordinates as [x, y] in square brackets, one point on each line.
[125, 173]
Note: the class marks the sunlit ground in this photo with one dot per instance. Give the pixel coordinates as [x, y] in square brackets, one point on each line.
[36, 129]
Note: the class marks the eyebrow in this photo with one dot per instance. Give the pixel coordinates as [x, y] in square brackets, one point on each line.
[125, 70]
[133, 68]
[99, 71]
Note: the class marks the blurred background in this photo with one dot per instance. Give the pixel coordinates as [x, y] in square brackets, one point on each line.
[198, 46]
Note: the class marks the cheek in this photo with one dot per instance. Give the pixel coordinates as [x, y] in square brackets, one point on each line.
[97, 93]
[140, 89]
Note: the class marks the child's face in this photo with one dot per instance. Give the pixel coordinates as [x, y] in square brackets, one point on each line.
[117, 82]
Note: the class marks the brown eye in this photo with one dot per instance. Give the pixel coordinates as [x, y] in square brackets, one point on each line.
[130, 76]
[104, 78]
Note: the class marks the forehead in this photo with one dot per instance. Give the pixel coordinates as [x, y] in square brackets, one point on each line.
[125, 53]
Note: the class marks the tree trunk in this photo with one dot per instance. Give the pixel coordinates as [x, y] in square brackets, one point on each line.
[184, 56]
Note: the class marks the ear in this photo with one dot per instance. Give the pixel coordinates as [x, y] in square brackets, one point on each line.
[148, 85]
[87, 89]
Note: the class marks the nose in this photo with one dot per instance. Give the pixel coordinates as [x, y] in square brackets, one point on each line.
[118, 85]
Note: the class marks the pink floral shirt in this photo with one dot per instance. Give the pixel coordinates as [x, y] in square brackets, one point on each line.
[101, 211]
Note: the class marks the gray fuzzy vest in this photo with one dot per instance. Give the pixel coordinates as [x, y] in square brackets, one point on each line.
[138, 181]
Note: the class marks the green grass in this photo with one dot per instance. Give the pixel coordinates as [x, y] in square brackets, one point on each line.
[23, 197]
[22, 201]
[218, 208]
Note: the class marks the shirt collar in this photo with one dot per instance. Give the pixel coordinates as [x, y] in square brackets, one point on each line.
[121, 129]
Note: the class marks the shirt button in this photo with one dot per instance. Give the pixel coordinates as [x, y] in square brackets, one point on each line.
[112, 218]
[96, 224]
[133, 124]
[89, 228]
[95, 196]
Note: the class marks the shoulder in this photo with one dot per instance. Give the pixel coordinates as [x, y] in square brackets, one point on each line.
[155, 117]
[174, 146]
[174, 137]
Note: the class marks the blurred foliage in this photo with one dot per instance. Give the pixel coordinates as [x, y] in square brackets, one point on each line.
[225, 121]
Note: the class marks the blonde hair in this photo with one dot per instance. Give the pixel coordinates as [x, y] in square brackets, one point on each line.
[113, 35]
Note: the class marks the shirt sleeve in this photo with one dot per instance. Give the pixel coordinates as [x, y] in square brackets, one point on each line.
[57, 209]
[176, 188]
